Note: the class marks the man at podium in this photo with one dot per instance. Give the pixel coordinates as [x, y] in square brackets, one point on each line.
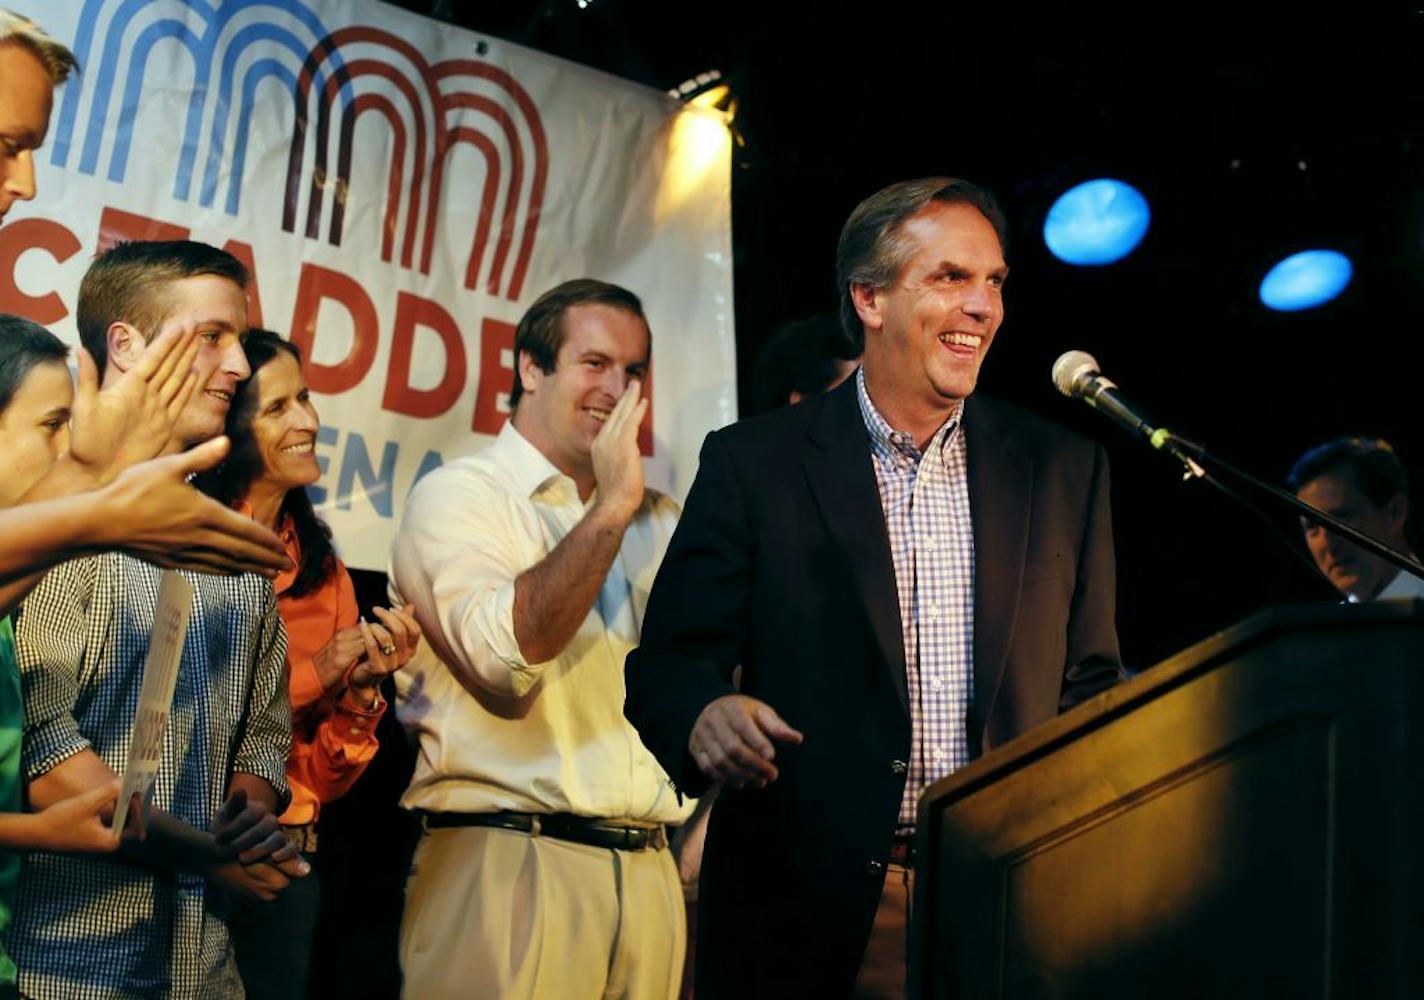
[907, 577]
[1362, 482]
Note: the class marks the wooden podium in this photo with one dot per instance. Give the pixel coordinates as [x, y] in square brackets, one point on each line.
[1245, 819]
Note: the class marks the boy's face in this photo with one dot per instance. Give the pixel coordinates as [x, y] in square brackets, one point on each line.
[34, 428]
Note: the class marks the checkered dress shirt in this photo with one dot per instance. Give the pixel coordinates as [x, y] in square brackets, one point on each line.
[97, 926]
[925, 496]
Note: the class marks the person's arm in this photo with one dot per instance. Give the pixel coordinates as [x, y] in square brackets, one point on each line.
[341, 724]
[553, 597]
[169, 842]
[259, 769]
[129, 420]
[78, 823]
[245, 850]
[343, 743]
[458, 560]
[487, 613]
[680, 696]
[1093, 662]
[149, 511]
[260, 764]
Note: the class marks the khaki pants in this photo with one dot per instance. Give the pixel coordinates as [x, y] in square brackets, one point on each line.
[502, 914]
[884, 968]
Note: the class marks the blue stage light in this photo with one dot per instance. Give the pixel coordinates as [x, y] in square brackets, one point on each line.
[1305, 280]
[1096, 222]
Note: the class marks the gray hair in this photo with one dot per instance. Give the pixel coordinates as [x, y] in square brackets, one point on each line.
[16, 29]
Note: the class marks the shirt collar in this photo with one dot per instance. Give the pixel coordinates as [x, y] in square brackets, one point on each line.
[1403, 585]
[891, 446]
[529, 469]
[287, 532]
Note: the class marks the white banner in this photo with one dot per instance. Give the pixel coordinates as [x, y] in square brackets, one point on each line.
[402, 190]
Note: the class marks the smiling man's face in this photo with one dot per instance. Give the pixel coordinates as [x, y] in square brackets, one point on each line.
[217, 307]
[927, 332]
[562, 411]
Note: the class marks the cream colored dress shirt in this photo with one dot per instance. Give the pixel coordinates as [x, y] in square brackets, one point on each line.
[495, 731]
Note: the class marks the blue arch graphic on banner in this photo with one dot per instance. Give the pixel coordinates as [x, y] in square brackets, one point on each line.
[259, 70]
[204, 51]
[255, 74]
[133, 90]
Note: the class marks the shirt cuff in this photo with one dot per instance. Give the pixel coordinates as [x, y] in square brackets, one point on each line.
[348, 707]
[270, 771]
[49, 744]
[497, 624]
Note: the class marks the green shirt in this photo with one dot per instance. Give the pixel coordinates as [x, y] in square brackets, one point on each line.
[12, 726]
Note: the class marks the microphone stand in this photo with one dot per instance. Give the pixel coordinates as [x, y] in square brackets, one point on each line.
[1196, 458]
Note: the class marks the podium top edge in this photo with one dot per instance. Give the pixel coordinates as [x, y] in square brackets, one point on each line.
[1178, 669]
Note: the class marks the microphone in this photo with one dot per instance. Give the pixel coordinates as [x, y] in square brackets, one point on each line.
[1077, 376]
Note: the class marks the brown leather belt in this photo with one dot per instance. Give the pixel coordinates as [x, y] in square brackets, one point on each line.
[561, 826]
[302, 836]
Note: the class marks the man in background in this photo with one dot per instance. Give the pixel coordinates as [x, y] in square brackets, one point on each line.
[1362, 482]
[805, 358]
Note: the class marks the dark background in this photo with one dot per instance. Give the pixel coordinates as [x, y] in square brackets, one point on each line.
[1253, 133]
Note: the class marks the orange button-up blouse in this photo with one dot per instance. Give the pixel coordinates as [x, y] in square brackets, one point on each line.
[332, 739]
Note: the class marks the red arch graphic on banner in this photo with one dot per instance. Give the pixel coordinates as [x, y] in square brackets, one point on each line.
[445, 137]
[396, 173]
[511, 203]
[359, 68]
[471, 67]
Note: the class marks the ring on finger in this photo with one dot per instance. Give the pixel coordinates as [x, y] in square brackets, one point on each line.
[388, 649]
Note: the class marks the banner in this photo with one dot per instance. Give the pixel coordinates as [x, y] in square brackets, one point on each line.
[401, 190]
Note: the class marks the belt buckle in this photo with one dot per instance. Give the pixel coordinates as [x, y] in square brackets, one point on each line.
[902, 853]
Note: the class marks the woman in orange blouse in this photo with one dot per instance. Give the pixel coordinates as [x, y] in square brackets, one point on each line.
[335, 660]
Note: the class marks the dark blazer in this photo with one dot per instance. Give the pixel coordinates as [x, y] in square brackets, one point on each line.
[781, 563]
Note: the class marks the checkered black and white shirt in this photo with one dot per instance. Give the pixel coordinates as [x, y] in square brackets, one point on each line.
[90, 926]
[925, 496]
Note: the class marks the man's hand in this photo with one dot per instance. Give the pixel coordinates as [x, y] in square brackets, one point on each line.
[617, 463]
[155, 515]
[260, 881]
[246, 832]
[80, 822]
[732, 741]
[132, 418]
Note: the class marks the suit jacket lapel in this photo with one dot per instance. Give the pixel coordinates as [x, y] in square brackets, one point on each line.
[842, 480]
[1000, 491]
